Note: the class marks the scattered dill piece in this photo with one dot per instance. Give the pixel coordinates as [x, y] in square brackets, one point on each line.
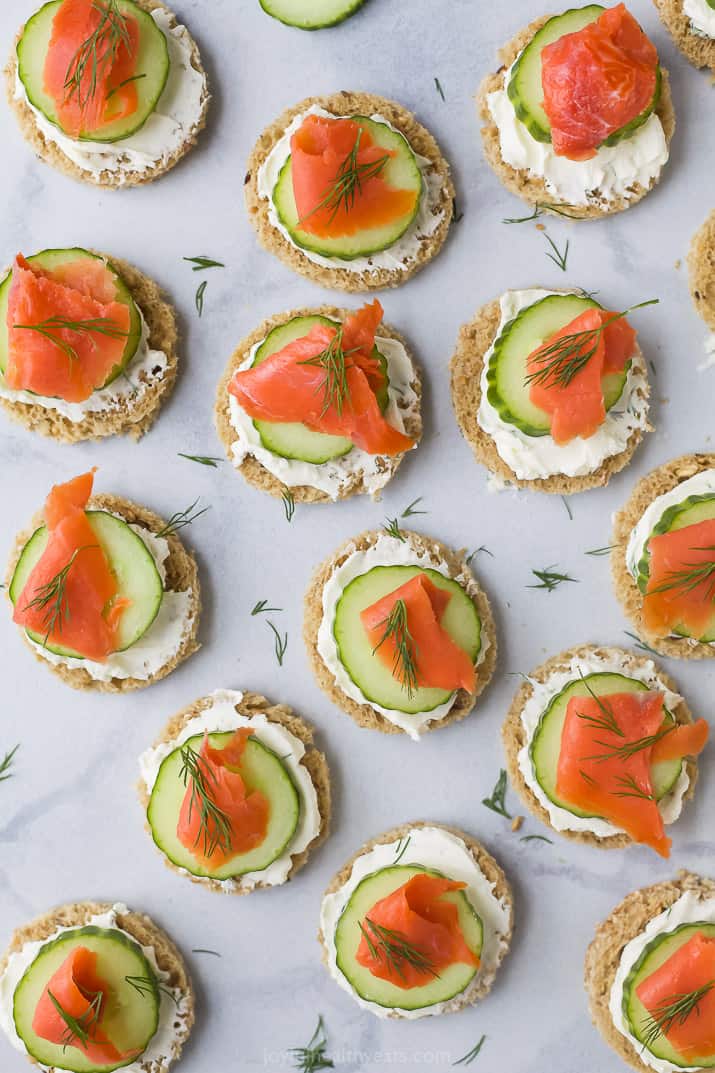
[412, 508]
[497, 801]
[262, 606]
[280, 643]
[203, 950]
[566, 503]
[560, 258]
[202, 263]
[457, 216]
[181, 519]
[535, 838]
[438, 87]
[468, 1058]
[203, 460]
[199, 297]
[401, 848]
[550, 580]
[288, 504]
[313, 1057]
[392, 528]
[6, 763]
[601, 551]
[640, 644]
[478, 551]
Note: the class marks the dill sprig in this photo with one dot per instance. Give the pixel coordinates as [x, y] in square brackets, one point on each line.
[691, 577]
[181, 519]
[147, 985]
[288, 504]
[631, 748]
[404, 667]
[280, 643]
[539, 210]
[411, 508]
[214, 824]
[631, 788]
[438, 87]
[204, 950]
[468, 1058]
[478, 551]
[261, 606]
[392, 528]
[347, 184]
[52, 599]
[606, 720]
[333, 361]
[637, 643]
[673, 1011]
[601, 551]
[401, 848]
[395, 949]
[313, 1057]
[199, 297]
[497, 801]
[536, 838]
[549, 580]
[203, 460]
[559, 258]
[79, 1030]
[563, 359]
[567, 506]
[92, 325]
[132, 78]
[6, 764]
[202, 263]
[96, 55]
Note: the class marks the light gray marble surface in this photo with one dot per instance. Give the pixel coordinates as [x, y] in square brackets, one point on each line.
[70, 825]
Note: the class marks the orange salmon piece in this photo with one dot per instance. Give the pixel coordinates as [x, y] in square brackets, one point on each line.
[689, 969]
[681, 582]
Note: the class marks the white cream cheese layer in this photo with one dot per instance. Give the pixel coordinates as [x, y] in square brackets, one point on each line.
[157, 646]
[173, 1011]
[613, 173]
[561, 819]
[387, 551]
[534, 457]
[701, 484]
[168, 128]
[331, 477]
[701, 15]
[689, 909]
[398, 256]
[434, 848]
[146, 368]
[222, 716]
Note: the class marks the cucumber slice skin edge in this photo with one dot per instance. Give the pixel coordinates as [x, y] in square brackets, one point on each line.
[278, 9]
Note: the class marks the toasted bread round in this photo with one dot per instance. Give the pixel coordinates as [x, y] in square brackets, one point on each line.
[314, 761]
[695, 47]
[701, 266]
[532, 188]
[254, 471]
[364, 714]
[340, 278]
[132, 416]
[473, 342]
[52, 154]
[603, 957]
[181, 574]
[482, 984]
[655, 484]
[514, 735]
[141, 928]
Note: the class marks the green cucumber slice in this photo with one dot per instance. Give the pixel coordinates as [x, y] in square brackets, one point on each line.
[152, 64]
[450, 982]
[368, 672]
[507, 390]
[49, 259]
[130, 1015]
[545, 746]
[132, 564]
[262, 770]
[401, 171]
[311, 14]
[525, 89]
[637, 1017]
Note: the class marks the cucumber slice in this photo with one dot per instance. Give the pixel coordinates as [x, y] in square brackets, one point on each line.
[262, 770]
[131, 562]
[655, 954]
[311, 14]
[401, 171]
[49, 259]
[130, 1016]
[450, 982]
[691, 511]
[152, 63]
[545, 746]
[508, 391]
[368, 672]
[525, 87]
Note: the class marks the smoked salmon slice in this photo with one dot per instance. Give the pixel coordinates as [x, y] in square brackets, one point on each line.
[338, 185]
[82, 993]
[70, 597]
[565, 373]
[63, 340]
[596, 81]
[235, 819]
[405, 630]
[688, 979]
[416, 922]
[681, 581]
[92, 53]
[606, 756]
[327, 381]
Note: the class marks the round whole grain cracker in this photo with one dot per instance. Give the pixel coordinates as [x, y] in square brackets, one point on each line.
[697, 48]
[603, 957]
[482, 983]
[341, 278]
[314, 761]
[53, 155]
[473, 342]
[145, 932]
[133, 417]
[514, 734]
[532, 188]
[649, 488]
[181, 575]
[701, 267]
[254, 471]
[364, 714]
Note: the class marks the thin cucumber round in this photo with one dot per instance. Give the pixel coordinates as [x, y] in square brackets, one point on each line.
[49, 259]
[152, 64]
[451, 981]
[130, 561]
[130, 1014]
[545, 747]
[261, 769]
[373, 677]
[401, 171]
[508, 389]
[311, 14]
